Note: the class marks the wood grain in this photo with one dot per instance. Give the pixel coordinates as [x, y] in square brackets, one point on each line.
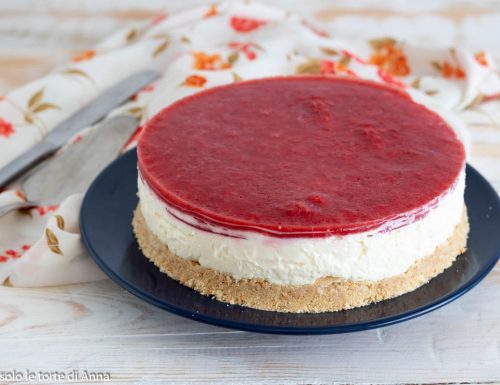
[101, 327]
[30, 30]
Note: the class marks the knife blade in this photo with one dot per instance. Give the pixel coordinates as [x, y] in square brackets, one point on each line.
[74, 170]
[91, 113]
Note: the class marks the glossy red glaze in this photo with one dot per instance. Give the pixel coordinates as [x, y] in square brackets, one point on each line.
[300, 156]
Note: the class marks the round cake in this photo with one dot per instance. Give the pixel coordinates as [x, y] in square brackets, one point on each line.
[301, 194]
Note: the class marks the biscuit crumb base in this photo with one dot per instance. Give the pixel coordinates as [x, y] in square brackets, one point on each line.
[325, 294]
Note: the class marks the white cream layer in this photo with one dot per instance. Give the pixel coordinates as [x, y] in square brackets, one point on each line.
[368, 256]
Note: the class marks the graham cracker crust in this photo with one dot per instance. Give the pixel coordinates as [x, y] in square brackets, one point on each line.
[325, 294]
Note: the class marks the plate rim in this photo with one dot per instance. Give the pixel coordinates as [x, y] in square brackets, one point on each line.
[259, 328]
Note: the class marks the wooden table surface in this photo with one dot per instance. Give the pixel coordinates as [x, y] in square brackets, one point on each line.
[99, 327]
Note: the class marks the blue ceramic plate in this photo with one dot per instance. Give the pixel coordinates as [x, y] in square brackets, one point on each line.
[106, 218]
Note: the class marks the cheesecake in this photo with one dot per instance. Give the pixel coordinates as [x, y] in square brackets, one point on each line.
[301, 194]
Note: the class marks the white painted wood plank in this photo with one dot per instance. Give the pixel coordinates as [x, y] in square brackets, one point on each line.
[100, 327]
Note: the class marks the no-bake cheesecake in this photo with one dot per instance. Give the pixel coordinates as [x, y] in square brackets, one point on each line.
[301, 194]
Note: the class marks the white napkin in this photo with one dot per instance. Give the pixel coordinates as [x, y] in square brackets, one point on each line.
[195, 50]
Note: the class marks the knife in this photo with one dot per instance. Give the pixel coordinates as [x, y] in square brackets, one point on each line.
[94, 111]
[74, 170]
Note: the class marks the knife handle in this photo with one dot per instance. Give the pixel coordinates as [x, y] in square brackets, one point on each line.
[23, 163]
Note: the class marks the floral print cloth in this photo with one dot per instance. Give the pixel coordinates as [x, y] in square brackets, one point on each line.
[195, 50]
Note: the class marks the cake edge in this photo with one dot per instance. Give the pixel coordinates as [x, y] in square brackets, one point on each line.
[325, 294]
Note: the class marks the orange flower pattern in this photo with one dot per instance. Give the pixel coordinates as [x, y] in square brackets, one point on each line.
[212, 11]
[196, 81]
[449, 71]
[481, 58]
[85, 55]
[389, 57]
[204, 61]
